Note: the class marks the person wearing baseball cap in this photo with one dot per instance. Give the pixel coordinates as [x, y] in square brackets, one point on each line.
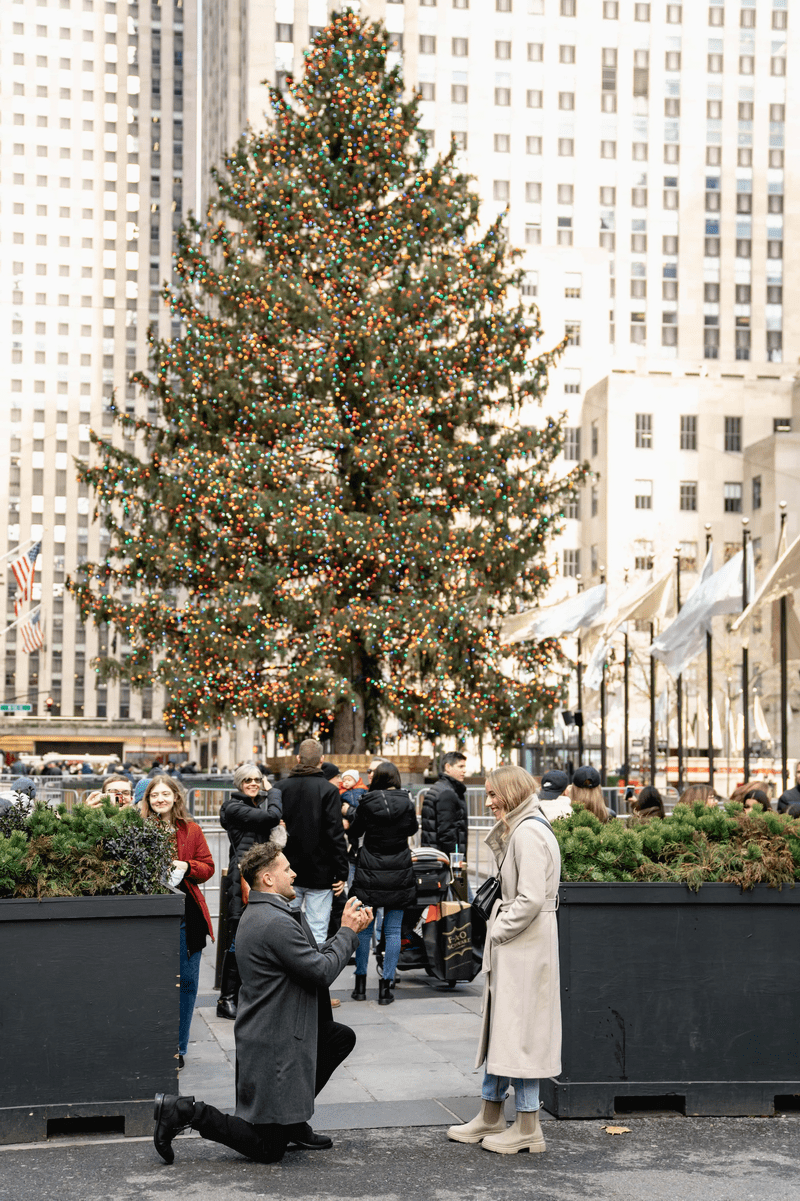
[586, 791]
[551, 795]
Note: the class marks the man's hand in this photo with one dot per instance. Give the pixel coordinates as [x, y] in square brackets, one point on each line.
[356, 916]
[338, 887]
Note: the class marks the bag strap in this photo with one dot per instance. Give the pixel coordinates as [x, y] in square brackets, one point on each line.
[534, 817]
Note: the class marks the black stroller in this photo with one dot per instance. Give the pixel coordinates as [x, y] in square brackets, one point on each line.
[434, 879]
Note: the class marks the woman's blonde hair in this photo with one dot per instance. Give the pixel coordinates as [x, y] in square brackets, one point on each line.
[591, 799]
[513, 785]
[178, 812]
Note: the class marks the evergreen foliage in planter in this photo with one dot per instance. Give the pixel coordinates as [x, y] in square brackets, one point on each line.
[106, 851]
[693, 845]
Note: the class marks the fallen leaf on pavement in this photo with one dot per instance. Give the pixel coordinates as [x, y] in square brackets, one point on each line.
[617, 1129]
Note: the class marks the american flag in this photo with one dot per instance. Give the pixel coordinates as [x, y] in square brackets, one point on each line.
[23, 569]
[31, 632]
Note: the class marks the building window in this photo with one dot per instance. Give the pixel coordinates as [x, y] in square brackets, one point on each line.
[535, 52]
[566, 148]
[530, 283]
[427, 91]
[502, 143]
[756, 491]
[533, 145]
[610, 10]
[781, 425]
[533, 235]
[643, 494]
[460, 47]
[774, 345]
[638, 329]
[687, 555]
[716, 13]
[502, 50]
[641, 12]
[608, 149]
[669, 329]
[747, 64]
[459, 93]
[533, 98]
[501, 189]
[674, 14]
[594, 559]
[572, 442]
[732, 494]
[742, 340]
[644, 431]
[688, 431]
[572, 380]
[711, 340]
[714, 64]
[689, 496]
[572, 330]
[572, 285]
[568, 8]
[427, 44]
[566, 54]
[643, 555]
[533, 193]
[284, 33]
[459, 136]
[672, 60]
[572, 509]
[594, 500]
[595, 438]
[502, 6]
[572, 563]
[733, 434]
[502, 97]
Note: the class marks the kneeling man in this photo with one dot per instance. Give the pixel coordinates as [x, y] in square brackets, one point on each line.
[287, 1043]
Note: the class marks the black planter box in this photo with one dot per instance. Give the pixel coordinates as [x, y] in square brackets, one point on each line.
[89, 1007]
[676, 999]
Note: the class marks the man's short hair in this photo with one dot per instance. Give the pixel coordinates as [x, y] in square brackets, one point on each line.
[310, 753]
[115, 778]
[261, 856]
[451, 759]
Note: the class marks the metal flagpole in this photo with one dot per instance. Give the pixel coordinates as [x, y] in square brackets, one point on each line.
[784, 678]
[679, 682]
[579, 723]
[709, 685]
[626, 704]
[603, 709]
[745, 659]
[24, 617]
[653, 747]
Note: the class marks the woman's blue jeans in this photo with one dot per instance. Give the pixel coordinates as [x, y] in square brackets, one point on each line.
[190, 981]
[392, 920]
[526, 1092]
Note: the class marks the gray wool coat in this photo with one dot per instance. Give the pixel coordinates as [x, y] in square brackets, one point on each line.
[283, 974]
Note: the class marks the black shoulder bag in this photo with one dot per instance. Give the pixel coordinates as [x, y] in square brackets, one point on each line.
[491, 890]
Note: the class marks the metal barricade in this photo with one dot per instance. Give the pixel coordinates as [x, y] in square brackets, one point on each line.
[206, 802]
[219, 846]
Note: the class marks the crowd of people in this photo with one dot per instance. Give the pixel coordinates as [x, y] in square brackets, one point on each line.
[316, 859]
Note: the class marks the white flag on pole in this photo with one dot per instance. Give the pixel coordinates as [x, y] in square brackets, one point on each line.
[782, 579]
[643, 605]
[712, 596]
[579, 612]
[760, 721]
[594, 672]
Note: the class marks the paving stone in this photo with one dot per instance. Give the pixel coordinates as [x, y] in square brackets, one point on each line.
[379, 1114]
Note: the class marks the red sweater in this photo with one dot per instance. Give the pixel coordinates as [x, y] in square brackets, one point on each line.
[193, 849]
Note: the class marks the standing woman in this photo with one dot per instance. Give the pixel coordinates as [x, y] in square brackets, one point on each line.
[521, 1035]
[248, 817]
[384, 875]
[165, 800]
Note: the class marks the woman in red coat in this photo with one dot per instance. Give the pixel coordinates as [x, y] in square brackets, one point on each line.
[165, 800]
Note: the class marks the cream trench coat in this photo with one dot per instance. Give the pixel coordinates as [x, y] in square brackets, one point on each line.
[521, 1032]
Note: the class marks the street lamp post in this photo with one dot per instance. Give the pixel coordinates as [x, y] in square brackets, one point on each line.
[679, 682]
[626, 704]
[603, 708]
[745, 658]
[709, 685]
[784, 679]
[579, 723]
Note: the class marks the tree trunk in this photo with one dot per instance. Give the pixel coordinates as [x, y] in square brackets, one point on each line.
[348, 728]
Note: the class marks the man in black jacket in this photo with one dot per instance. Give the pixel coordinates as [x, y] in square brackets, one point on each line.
[792, 795]
[444, 807]
[316, 847]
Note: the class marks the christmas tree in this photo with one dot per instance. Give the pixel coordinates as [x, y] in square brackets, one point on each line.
[338, 500]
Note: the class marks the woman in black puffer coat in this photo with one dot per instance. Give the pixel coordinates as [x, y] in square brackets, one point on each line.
[248, 818]
[384, 877]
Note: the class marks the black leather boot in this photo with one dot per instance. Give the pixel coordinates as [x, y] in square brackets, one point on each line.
[385, 994]
[171, 1116]
[229, 990]
[359, 993]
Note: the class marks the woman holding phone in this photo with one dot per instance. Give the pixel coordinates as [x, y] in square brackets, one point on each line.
[165, 801]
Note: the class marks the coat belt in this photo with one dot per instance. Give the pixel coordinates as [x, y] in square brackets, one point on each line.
[550, 905]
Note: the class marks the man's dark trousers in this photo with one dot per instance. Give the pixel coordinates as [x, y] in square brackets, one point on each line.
[267, 1143]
